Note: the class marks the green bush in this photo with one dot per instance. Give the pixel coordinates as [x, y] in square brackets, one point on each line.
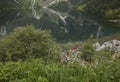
[24, 43]
[88, 51]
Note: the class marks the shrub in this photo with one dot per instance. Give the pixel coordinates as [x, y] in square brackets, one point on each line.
[25, 42]
[88, 51]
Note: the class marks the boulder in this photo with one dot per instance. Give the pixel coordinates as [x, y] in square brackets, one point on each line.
[112, 44]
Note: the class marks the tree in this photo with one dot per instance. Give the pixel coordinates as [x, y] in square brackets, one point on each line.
[100, 7]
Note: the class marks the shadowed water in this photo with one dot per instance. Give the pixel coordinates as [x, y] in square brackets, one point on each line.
[64, 27]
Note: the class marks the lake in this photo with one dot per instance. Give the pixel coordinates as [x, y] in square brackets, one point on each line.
[63, 26]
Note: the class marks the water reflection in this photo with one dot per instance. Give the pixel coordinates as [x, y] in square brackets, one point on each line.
[62, 25]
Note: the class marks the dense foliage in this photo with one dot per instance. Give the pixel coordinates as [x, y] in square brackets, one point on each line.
[39, 71]
[28, 43]
[32, 55]
[102, 8]
[25, 43]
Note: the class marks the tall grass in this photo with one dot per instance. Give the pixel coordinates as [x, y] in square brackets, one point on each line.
[40, 71]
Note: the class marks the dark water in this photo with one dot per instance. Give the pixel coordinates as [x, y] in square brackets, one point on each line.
[75, 29]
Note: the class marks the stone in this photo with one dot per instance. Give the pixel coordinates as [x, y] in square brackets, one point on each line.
[112, 44]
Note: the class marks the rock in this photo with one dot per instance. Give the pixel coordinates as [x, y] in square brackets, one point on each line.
[112, 44]
[96, 45]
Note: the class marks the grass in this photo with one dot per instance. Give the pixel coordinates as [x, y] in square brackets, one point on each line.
[38, 70]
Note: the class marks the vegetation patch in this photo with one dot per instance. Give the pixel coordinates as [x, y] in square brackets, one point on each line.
[24, 43]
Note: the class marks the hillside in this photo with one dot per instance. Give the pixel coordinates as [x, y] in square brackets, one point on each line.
[59, 41]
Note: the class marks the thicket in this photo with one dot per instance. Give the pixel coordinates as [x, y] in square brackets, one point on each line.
[25, 43]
